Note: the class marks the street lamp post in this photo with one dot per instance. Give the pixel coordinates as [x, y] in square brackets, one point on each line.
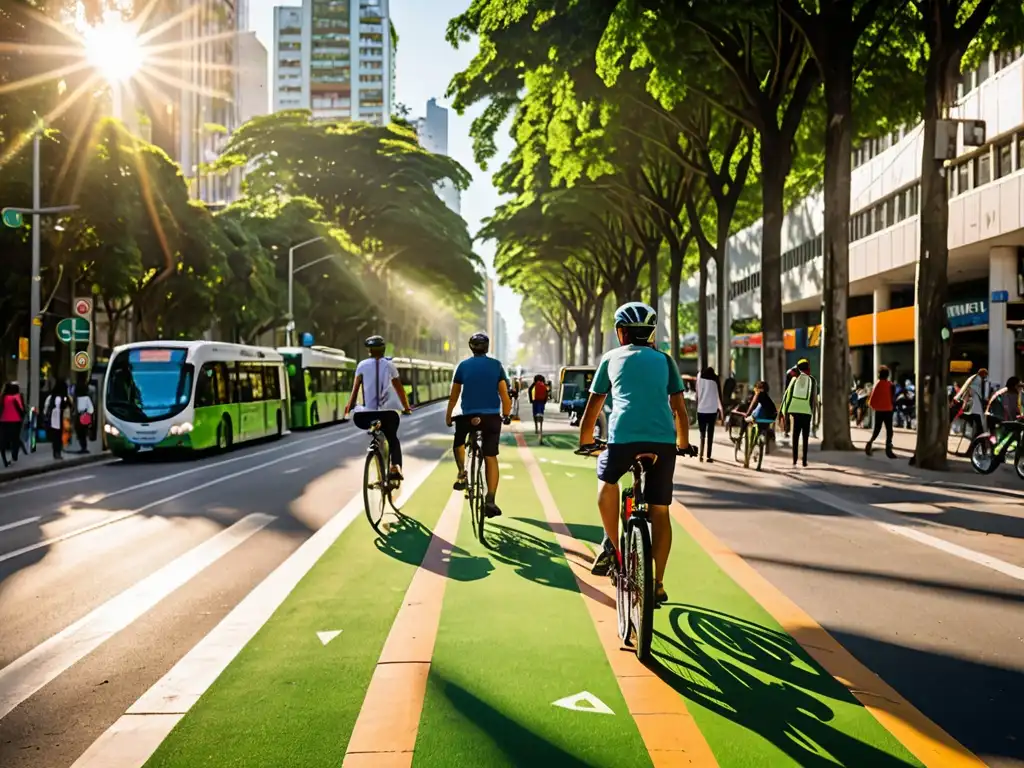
[291, 283]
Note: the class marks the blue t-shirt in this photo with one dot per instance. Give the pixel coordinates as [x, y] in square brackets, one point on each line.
[639, 380]
[479, 377]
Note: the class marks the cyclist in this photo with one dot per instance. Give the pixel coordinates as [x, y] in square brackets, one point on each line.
[1004, 405]
[383, 397]
[538, 393]
[648, 416]
[761, 415]
[481, 383]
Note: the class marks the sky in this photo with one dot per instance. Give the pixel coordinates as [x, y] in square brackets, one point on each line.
[425, 66]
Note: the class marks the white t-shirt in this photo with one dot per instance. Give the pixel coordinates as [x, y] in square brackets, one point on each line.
[707, 396]
[378, 391]
[56, 417]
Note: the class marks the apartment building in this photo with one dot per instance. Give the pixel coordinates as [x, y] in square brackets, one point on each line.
[432, 130]
[986, 240]
[335, 57]
[252, 98]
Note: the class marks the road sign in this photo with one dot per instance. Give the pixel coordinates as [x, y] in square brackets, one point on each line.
[74, 330]
[83, 307]
[1000, 297]
[81, 361]
[13, 219]
[23, 348]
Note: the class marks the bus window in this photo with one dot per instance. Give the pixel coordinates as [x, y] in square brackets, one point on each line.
[314, 380]
[212, 385]
[256, 382]
[271, 382]
[243, 388]
[345, 381]
[151, 383]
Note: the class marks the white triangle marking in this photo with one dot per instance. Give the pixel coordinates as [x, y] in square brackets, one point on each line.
[584, 701]
[326, 637]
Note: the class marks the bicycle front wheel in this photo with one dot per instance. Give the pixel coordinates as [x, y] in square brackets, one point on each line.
[760, 450]
[375, 491]
[622, 576]
[641, 587]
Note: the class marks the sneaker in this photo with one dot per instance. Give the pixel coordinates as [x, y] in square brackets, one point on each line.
[605, 560]
[491, 509]
[868, 449]
[710, 460]
[461, 482]
[660, 595]
[396, 477]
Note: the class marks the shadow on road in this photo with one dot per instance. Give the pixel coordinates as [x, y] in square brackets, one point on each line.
[407, 540]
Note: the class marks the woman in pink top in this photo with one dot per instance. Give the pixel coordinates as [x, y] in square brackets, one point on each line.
[12, 413]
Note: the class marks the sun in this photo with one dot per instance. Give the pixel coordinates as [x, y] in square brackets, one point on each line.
[113, 48]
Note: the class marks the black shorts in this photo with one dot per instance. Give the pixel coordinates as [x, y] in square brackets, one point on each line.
[489, 426]
[614, 462]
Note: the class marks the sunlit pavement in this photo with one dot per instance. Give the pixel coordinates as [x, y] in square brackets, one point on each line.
[237, 610]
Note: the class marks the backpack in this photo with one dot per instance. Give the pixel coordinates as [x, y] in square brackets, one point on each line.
[802, 386]
[540, 391]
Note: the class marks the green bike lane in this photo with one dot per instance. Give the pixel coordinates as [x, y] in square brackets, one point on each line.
[514, 637]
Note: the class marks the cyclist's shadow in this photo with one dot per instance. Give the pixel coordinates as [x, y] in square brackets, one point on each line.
[407, 539]
[762, 680]
[533, 558]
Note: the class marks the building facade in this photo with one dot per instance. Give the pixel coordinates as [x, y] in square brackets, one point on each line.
[986, 240]
[432, 130]
[336, 58]
[252, 98]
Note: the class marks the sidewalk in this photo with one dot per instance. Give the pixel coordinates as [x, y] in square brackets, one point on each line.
[42, 460]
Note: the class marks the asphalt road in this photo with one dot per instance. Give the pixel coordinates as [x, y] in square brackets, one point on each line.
[924, 584]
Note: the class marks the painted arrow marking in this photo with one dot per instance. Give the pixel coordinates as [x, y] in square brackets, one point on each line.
[326, 637]
[584, 701]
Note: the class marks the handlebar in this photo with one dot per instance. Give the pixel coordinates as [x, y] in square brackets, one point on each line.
[597, 446]
[506, 420]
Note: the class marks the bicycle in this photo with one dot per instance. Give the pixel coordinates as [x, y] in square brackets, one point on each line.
[988, 450]
[476, 488]
[376, 473]
[634, 585]
[765, 435]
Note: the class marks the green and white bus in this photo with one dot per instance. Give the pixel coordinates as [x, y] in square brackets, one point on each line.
[320, 380]
[192, 394]
[425, 380]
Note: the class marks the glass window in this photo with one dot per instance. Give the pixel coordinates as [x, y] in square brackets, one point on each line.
[241, 385]
[255, 374]
[212, 385]
[271, 382]
[962, 178]
[890, 211]
[982, 169]
[983, 71]
[147, 384]
[879, 216]
[901, 207]
[912, 200]
[1004, 158]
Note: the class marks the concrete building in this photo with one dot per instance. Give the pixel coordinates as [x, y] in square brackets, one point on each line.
[433, 133]
[499, 341]
[335, 57]
[986, 241]
[251, 98]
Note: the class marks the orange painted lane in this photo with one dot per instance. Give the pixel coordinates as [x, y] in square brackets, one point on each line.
[385, 732]
[668, 730]
[923, 738]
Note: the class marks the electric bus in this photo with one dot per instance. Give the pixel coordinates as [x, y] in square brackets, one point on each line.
[320, 380]
[192, 395]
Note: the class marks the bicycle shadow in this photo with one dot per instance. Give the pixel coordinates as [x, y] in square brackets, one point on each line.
[533, 558]
[763, 680]
[407, 540]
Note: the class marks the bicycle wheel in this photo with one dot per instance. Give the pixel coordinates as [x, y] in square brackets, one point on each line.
[478, 483]
[375, 493]
[983, 455]
[641, 587]
[739, 450]
[760, 449]
[622, 601]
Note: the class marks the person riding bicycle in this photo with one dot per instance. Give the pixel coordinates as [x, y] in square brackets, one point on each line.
[481, 383]
[383, 397]
[648, 416]
[1004, 405]
[761, 415]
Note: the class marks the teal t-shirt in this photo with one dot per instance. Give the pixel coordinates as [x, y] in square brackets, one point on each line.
[639, 380]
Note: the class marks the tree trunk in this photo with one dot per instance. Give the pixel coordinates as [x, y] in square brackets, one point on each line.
[932, 279]
[775, 167]
[835, 352]
[584, 336]
[599, 328]
[653, 275]
[702, 312]
[722, 299]
[675, 277]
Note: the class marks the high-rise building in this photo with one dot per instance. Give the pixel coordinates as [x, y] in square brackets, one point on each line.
[499, 342]
[251, 97]
[335, 57]
[433, 133]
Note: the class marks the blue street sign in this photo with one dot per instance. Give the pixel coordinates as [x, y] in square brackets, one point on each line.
[1000, 297]
[967, 314]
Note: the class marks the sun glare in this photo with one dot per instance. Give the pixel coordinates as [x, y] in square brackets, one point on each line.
[114, 49]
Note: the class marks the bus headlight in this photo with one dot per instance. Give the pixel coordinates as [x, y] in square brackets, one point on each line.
[181, 429]
[111, 430]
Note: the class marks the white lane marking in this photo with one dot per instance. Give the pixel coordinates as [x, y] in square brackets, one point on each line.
[133, 738]
[17, 523]
[584, 701]
[895, 524]
[293, 470]
[56, 483]
[326, 637]
[35, 669]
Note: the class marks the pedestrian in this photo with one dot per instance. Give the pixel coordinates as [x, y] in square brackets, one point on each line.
[12, 414]
[85, 412]
[538, 394]
[800, 403]
[791, 374]
[881, 402]
[973, 398]
[709, 409]
[55, 407]
[728, 390]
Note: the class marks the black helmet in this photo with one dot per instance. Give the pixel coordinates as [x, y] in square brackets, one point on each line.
[479, 342]
[639, 320]
[374, 342]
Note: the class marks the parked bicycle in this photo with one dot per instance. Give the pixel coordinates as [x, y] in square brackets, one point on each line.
[634, 586]
[990, 449]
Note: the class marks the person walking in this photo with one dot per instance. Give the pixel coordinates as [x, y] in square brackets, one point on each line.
[85, 412]
[881, 402]
[12, 414]
[538, 394]
[709, 409]
[973, 397]
[55, 407]
[800, 403]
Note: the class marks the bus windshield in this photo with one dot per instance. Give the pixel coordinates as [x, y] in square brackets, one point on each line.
[149, 384]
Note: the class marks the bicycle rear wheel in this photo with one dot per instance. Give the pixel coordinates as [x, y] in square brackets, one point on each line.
[622, 599]
[375, 490]
[641, 587]
[478, 495]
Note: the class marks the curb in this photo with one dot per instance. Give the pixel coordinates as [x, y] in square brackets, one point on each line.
[10, 475]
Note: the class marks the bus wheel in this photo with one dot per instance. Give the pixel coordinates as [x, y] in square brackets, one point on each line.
[280, 425]
[314, 416]
[224, 435]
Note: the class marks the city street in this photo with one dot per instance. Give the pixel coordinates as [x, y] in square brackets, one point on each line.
[236, 610]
